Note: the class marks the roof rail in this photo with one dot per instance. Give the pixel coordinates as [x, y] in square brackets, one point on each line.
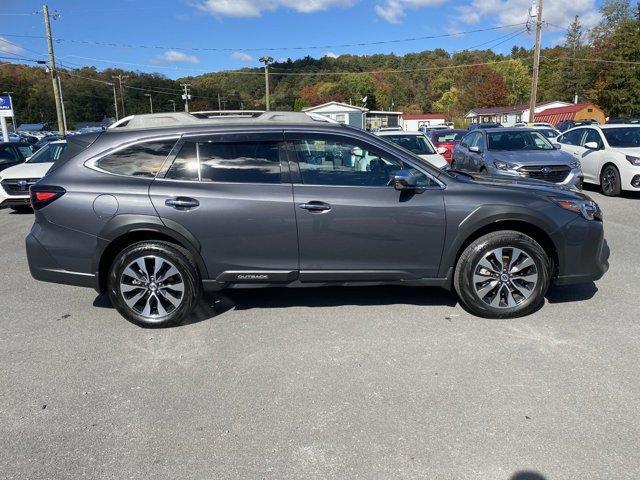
[171, 119]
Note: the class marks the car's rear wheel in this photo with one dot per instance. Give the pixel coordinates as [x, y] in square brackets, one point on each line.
[610, 181]
[502, 275]
[154, 283]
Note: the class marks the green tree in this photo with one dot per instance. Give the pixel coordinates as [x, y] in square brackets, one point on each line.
[516, 76]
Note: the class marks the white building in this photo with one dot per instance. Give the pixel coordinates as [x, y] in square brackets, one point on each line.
[413, 122]
[341, 113]
[508, 116]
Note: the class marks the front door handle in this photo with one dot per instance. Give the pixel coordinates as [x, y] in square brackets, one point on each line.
[182, 203]
[315, 206]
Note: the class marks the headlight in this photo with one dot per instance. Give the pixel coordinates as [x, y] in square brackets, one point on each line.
[633, 160]
[504, 165]
[575, 164]
[587, 209]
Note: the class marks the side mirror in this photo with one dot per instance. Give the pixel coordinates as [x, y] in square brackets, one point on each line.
[474, 149]
[441, 150]
[357, 152]
[405, 180]
[592, 146]
[557, 146]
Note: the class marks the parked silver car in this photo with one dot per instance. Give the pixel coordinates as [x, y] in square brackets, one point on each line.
[516, 152]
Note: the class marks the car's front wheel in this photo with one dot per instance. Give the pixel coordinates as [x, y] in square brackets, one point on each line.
[154, 283]
[610, 181]
[502, 275]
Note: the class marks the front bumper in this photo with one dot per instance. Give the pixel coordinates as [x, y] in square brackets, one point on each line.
[574, 178]
[584, 256]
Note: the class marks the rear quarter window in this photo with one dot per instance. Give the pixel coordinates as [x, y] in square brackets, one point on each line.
[140, 160]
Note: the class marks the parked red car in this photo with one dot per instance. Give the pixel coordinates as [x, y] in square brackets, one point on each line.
[446, 139]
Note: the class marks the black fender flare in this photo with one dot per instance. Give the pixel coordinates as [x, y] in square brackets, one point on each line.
[487, 215]
[125, 224]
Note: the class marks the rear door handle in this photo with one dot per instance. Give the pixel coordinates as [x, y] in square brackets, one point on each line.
[182, 203]
[315, 206]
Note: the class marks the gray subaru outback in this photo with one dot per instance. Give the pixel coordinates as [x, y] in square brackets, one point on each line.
[166, 206]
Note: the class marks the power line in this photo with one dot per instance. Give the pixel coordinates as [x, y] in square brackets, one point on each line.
[595, 60]
[262, 49]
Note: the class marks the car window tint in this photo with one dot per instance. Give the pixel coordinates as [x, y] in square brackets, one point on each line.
[331, 162]
[468, 140]
[49, 153]
[7, 155]
[242, 162]
[185, 165]
[572, 138]
[592, 136]
[25, 151]
[143, 159]
[442, 137]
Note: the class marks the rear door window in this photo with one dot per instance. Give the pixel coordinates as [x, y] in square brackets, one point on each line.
[232, 162]
[140, 160]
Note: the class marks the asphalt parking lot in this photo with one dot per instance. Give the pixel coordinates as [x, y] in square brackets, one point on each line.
[323, 383]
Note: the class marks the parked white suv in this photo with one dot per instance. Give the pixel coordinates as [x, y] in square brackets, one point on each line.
[609, 154]
[15, 181]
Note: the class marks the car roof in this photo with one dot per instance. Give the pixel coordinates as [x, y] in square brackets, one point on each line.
[17, 144]
[388, 133]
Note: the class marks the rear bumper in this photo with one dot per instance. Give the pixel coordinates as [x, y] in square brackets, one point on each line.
[14, 202]
[44, 268]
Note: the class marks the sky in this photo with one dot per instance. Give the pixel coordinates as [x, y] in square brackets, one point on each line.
[188, 37]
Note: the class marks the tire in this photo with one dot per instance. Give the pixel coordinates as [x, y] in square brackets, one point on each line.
[518, 293]
[610, 183]
[483, 170]
[147, 300]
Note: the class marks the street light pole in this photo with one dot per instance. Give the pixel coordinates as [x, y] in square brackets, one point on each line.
[266, 60]
[120, 79]
[150, 101]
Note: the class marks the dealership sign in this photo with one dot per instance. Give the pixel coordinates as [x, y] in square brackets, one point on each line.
[6, 109]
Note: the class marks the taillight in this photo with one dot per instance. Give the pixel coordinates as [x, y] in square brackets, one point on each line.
[43, 195]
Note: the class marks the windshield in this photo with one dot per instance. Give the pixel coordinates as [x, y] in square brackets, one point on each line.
[417, 144]
[444, 137]
[549, 132]
[628, 137]
[48, 154]
[518, 140]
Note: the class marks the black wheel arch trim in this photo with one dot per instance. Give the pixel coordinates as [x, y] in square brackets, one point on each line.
[488, 216]
[127, 224]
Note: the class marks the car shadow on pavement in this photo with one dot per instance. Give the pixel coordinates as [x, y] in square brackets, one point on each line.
[244, 299]
[571, 293]
[587, 188]
[527, 475]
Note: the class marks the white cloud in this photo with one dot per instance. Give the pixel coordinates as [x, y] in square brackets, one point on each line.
[254, 8]
[558, 13]
[330, 55]
[9, 47]
[176, 56]
[394, 10]
[243, 57]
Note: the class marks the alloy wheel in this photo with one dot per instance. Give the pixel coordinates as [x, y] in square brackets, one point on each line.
[152, 286]
[505, 277]
[608, 180]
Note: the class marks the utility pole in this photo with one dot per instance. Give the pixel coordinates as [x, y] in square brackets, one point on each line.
[150, 101]
[64, 113]
[120, 79]
[536, 62]
[186, 96]
[219, 104]
[174, 104]
[266, 60]
[52, 68]
[115, 99]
